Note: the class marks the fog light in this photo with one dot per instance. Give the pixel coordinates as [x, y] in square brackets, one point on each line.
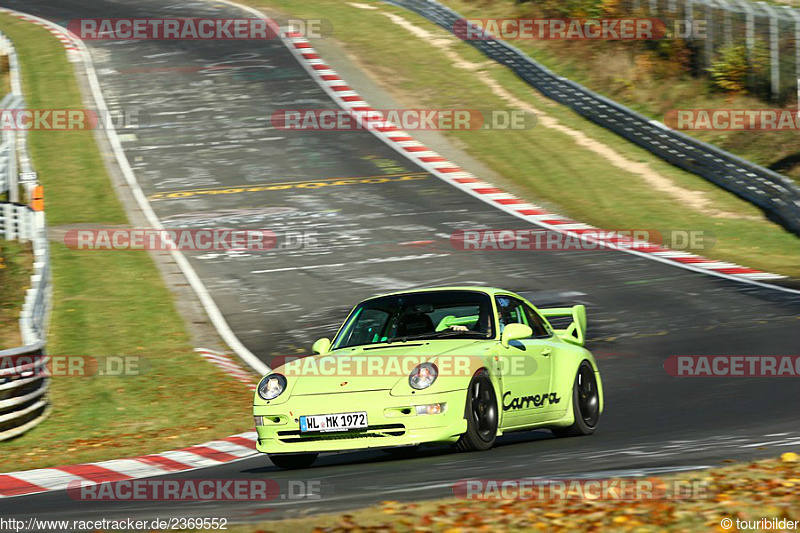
[431, 409]
[259, 421]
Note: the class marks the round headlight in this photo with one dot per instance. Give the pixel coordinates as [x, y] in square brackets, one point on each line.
[423, 376]
[271, 386]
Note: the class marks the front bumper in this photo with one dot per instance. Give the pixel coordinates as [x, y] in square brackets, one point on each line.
[392, 421]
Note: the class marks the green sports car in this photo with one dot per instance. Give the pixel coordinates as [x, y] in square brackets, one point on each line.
[458, 365]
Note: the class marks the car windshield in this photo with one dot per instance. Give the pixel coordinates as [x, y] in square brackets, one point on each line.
[421, 315]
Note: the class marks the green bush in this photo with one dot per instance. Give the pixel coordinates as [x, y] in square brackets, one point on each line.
[730, 70]
[735, 70]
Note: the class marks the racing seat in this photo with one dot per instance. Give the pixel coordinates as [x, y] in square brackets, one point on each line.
[415, 324]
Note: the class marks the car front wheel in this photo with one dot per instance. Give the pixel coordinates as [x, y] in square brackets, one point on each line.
[585, 404]
[481, 415]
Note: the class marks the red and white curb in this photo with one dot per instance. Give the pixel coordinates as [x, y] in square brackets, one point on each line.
[228, 365]
[204, 455]
[212, 453]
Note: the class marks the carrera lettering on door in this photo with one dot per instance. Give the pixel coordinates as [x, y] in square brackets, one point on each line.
[523, 402]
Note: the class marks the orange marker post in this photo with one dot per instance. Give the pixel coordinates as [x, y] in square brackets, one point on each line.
[37, 198]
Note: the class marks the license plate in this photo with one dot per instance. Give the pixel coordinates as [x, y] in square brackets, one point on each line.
[337, 422]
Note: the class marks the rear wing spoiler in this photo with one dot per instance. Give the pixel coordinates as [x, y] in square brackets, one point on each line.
[575, 333]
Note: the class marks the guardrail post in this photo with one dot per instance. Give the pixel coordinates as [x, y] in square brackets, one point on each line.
[750, 37]
[796, 16]
[709, 42]
[9, 218]
[774, 57]
[726, 20]
[11, 167]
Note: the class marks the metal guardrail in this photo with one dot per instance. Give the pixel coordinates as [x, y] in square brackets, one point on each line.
[8, 159]
[23, 374]
[23, 389]
[775, 194]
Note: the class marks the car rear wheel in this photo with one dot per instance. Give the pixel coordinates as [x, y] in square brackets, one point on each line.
[481, 415]
[293, 461]
[585, 404]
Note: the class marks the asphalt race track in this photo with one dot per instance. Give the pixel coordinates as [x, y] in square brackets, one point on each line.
[204, 113]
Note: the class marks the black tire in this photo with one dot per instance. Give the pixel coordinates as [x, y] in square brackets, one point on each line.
[293, 461]
[585, 404]
[481, 414]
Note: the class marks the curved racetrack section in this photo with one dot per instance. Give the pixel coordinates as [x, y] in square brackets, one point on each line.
[383, 224]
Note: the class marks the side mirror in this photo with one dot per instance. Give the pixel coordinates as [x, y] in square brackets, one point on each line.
[513, 332]
[322, 346]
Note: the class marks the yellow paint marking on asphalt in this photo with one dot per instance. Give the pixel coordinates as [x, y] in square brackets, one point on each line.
[308, 184]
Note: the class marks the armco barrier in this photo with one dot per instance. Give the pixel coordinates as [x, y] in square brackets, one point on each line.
[777, 195]
[23, 389]
[23, 379]
[8, 159]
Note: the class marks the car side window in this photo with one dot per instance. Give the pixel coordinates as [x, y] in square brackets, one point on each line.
[536, 322]
[510, 310]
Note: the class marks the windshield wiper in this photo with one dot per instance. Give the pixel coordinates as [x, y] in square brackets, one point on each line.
[437, 335]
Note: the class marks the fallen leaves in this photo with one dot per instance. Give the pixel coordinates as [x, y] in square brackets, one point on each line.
[764, 489]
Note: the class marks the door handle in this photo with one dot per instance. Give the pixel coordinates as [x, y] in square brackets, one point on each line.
[547, 351]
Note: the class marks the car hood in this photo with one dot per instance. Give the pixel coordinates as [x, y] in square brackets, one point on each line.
[373, 367]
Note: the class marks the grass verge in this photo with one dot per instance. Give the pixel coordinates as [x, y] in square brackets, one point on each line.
[16, 267]
[107, 303]
[546, 164]
[749, 491]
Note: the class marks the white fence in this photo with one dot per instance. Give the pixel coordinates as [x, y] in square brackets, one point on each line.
[17, 222]
[770, 35]
[23, 375]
